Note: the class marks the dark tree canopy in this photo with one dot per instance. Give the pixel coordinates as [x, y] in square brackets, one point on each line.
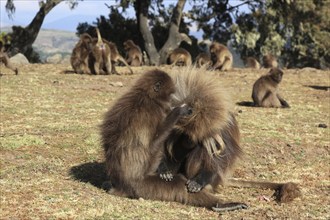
[295, 31]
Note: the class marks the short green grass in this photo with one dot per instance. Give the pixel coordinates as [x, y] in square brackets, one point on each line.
[52, 164]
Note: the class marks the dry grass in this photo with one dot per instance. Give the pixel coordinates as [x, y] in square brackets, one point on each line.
[51, 159]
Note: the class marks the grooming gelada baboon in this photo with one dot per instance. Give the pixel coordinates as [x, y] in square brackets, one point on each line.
[221, 57]
[134, 54]
[265, 90]
[80, 54]
[251, 62]
[133, 134]
[269, 61]
[100, 56]
[5, 59]
[203, 59]
[179, 57]
[205, 144]
[116, 57]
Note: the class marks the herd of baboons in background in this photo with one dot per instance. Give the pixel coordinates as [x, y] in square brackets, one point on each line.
[99, 56]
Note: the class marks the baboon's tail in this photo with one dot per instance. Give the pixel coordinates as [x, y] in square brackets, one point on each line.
[155, 188]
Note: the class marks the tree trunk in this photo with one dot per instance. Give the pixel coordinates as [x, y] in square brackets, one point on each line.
[174, 38]
[141, 9]
[23, 38]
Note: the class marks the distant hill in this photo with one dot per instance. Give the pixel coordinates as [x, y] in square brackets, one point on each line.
[50, 42]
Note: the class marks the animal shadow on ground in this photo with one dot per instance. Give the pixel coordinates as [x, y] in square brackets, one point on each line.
[245, 103]
[325, 88]
[92, 172]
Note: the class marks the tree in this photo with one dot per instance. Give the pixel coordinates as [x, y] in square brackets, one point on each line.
[217, 16]
[174, 37]
[23, 38]
[296, 31]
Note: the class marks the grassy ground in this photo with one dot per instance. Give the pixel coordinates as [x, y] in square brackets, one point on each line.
[51, 158]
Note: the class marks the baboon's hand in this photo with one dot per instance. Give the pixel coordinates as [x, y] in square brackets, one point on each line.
[185, 110]
[167, 176]
[193, 186]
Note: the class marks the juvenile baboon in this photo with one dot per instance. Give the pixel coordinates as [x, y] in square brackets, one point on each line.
[100, 56]
[265, 90]
[179, 57]
[80, 54]
[116, 57]
[203, 59]
[251, 62]
[205, 144]
[134, 54]
[221, 57]
[269, 61]
[133, 134]
[5, 59]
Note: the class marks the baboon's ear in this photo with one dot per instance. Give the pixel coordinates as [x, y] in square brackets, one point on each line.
[157, 86]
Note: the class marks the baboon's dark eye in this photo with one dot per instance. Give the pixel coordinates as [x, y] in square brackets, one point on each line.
[157, 86]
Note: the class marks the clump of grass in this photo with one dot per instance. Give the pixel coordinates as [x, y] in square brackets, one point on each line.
[16, 141]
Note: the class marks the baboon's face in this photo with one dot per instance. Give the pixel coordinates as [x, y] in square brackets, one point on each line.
[276, 74]
[128, 44]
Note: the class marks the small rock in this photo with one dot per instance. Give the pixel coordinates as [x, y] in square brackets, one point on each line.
[322, 125]
[19, 59]
[117, 84]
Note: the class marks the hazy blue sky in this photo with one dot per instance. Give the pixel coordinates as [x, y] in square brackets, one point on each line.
[61, 17]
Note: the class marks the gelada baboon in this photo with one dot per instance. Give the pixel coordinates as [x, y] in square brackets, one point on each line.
[251, 62]
[269, 61]
[133, 134]
[5, 59]
[203, 59]
[116, 57]
[80, 54]
[221, 57]
[205, 144]
[179, 57]
[134, 54]
[265, 90]
[100, 56]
